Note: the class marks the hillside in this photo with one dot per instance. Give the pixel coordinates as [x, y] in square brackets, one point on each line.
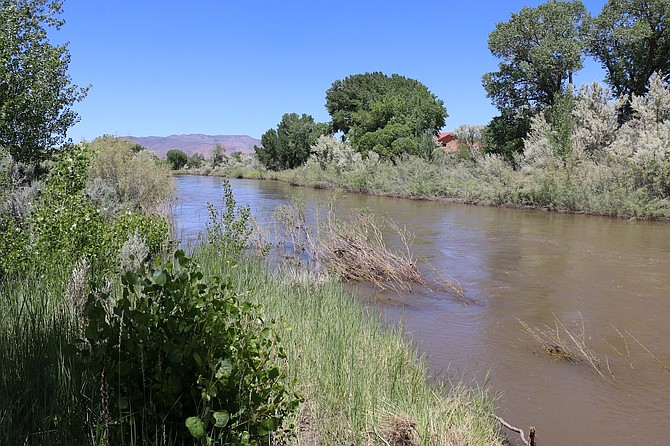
[196, 143]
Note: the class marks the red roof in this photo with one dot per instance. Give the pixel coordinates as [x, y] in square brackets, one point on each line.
[448, 142]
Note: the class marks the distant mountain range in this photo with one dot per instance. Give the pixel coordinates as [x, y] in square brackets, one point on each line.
[191, 144]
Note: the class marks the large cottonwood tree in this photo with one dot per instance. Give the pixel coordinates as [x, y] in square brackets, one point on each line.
[389, 115]
[540, 49]
[36, 93]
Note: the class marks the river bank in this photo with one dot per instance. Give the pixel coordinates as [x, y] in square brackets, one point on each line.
[582, 187]
[516, 265]
[362, 381]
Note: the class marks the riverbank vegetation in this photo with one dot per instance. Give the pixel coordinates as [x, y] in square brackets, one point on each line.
[594, 149]
[595, 166]
[107, 344]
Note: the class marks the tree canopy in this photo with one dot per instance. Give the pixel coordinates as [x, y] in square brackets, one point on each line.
[389, 115]
[288, 146]
[631, 40]
[36, 93]
[176, 158]
[541, 48]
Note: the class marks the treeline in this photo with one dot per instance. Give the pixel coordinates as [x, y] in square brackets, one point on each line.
[598, 148]
[600, 167]
[387, 116]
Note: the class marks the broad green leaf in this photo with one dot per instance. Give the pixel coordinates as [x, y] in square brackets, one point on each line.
[160, 278]
[221, 418]
[195, 426]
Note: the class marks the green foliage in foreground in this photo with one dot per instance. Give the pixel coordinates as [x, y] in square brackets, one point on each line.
[44, 395]
[187, 354]
[64, 225]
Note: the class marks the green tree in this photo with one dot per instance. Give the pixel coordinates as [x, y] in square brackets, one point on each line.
[176, 158]
[389, 115]
[289, 145]
[36, 93]
[195, 161]
[631, 40]
[505, 133]
[217, 155]
[541, 48]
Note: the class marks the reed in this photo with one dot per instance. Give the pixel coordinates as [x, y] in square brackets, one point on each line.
[359, 376]
[44, 399]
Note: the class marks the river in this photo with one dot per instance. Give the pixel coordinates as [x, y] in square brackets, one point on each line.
[609, 276]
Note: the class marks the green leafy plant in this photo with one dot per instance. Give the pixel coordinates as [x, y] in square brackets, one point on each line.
[229, 229]
[64, 225]
[188, 357]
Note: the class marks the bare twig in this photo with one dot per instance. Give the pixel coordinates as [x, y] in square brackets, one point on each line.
[519, 431]
[567, 344]
[627, 356]
[663, 366]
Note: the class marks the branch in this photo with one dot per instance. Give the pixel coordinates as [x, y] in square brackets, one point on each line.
[522, 435]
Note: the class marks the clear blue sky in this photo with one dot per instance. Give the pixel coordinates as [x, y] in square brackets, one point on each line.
[158, 68]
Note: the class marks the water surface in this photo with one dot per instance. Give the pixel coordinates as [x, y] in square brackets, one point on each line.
[611, 275]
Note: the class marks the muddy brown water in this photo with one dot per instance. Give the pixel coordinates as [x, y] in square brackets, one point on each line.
[610, 276]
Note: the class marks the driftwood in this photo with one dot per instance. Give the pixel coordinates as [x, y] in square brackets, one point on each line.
[522, 434]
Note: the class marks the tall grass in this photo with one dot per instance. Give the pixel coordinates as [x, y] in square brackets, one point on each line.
[358, 376]
[43, 396]
[362, 381]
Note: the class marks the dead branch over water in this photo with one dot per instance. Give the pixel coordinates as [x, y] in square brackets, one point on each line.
[353, 246]
[356, 251]
[522, 434]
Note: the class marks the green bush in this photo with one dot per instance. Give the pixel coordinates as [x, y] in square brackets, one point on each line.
[188, 356]
[64, 225]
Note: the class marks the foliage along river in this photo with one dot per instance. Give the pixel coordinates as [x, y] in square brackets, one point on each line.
[614, 275]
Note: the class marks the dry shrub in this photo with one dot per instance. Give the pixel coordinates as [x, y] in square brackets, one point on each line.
[400, 430]
[352, 246]
[356, 251]
[134, 180]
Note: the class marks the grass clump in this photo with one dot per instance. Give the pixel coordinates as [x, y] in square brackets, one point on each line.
[353, 370]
